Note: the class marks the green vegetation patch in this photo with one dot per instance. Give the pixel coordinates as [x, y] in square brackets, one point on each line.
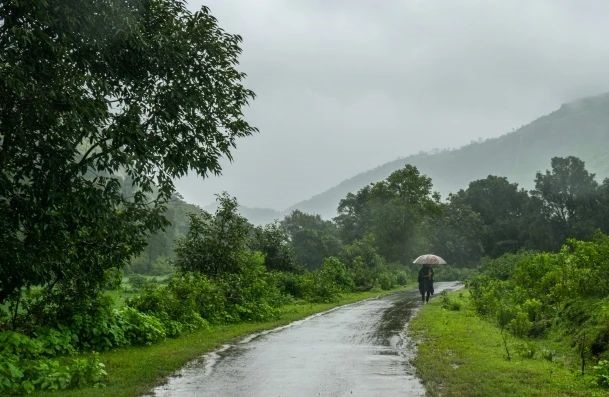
[460, 354]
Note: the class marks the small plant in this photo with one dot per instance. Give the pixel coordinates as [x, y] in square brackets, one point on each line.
[601, 373]
[447, 303]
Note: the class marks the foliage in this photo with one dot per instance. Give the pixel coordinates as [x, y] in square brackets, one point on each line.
[331, 280]
[140, 328]
[396, 211]
[464, 355]
[103, 105]
[601, 371]
[452, 273]
[190, 300]
[250, 296]
[500, 206]
[458, 233]
[312, 238]
[568, 193]
[530, 293]
[157, 257]
[25, 366]
[448, 303]
[214, 243]
[273, 241]
[138, 281]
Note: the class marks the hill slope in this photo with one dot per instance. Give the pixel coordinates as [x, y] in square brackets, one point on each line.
[580, 128]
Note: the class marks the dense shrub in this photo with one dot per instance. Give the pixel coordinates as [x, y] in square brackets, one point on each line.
[327, 283]
[140, 328]
[25, 365]
[293, 285]
[249, 294]
[188, 299]
[193, 299]
[531, 292]
[99, 327]
[601, 373]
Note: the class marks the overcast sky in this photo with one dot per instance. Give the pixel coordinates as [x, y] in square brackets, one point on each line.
[344, 86]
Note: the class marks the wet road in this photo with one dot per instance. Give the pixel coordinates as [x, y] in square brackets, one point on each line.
[355, 350]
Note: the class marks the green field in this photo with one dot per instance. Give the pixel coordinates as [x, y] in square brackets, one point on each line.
[459, 354]
[135, 370]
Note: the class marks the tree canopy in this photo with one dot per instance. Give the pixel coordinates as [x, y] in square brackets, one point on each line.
[395, 211]
[96, 96]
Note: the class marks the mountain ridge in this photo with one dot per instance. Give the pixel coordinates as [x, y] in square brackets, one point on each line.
[517, 155]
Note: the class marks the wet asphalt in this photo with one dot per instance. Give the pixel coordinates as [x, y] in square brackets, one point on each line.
[360, 349]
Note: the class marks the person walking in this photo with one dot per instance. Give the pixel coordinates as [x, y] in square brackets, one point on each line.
[426, 282]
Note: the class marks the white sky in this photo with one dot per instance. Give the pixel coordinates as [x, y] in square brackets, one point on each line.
[344, 86]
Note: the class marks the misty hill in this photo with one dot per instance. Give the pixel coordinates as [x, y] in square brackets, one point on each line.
[579, 128]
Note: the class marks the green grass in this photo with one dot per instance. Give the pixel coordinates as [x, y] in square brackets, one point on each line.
[134, 371]
[460, 354]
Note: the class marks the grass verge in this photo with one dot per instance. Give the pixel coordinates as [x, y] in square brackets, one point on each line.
[136, 370]
[460, 354]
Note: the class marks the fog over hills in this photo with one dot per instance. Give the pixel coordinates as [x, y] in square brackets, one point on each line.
[579, 128]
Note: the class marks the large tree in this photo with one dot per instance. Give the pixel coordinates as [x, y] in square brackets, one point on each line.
[215, 243]
[95, 94]
[501, 206]
[568, 193]
[457, 234]
[313, 239]
[396, 211]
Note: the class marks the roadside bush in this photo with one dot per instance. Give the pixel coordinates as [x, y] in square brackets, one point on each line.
[402, 278]
[295, 285]
[334, 271]
[386, 280]
[549, 355]
[181, 304]
[363, 275]
[327, 283]
[98, 327]
[87, 371]
[191, 300]
[56, 342]
[502, 268]
[140, 328]
[250, 296]
[567, 290]
[23, 369]
[449, 304]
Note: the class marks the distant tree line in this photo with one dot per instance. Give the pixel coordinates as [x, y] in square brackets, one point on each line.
[396, 219]
[400, 217]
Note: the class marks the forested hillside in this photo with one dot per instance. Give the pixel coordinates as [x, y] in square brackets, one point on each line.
[159, 250]
[580, 128]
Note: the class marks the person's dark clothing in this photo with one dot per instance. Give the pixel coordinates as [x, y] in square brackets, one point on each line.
[426, 282]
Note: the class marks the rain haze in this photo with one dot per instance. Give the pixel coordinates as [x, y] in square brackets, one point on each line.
[345, 86]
